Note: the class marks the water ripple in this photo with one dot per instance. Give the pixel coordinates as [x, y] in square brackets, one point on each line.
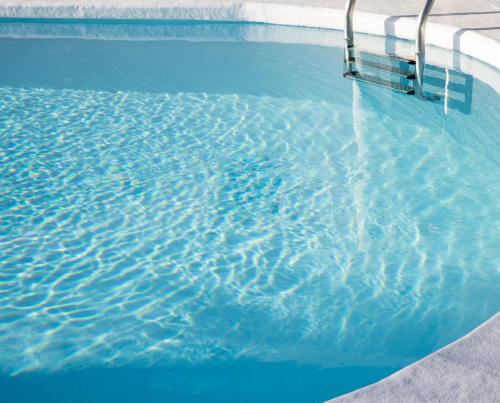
[159, 228]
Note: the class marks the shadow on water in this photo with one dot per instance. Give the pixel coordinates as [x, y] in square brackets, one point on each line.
[245, 381]
[173, 66]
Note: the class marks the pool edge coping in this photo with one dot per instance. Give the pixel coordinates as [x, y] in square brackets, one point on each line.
[443, 375]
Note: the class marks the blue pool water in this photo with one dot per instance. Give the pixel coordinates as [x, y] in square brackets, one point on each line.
[210, 213]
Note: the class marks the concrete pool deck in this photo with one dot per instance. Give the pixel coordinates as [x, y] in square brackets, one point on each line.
[467, 370]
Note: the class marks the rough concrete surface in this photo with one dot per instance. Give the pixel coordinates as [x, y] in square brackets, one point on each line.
[465, 371]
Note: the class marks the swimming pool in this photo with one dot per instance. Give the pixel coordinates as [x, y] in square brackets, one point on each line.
[209, 212]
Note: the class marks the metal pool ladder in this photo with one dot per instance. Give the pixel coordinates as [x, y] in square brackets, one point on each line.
[409, 72]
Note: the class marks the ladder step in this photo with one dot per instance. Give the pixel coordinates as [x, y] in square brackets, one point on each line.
[385, 56]
[382, 67]
[368, 78]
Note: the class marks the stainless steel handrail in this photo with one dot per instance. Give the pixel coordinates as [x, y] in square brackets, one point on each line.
[349, 32]
[420, 46]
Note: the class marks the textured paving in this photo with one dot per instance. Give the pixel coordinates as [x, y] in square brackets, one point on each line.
[482, 16]
[465, 371]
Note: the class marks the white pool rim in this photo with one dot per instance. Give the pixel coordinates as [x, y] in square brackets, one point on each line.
[463, 40]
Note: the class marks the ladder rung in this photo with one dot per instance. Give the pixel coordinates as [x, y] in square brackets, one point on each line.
[385, 56]
[368, 78]
[382, 67]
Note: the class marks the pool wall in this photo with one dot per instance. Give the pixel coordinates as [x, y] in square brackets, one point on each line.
[477, 42]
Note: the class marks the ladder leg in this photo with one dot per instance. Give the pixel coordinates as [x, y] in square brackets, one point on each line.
[420, 47]
[349, 33]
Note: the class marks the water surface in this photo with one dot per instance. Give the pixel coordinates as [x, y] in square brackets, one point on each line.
[224, 220]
